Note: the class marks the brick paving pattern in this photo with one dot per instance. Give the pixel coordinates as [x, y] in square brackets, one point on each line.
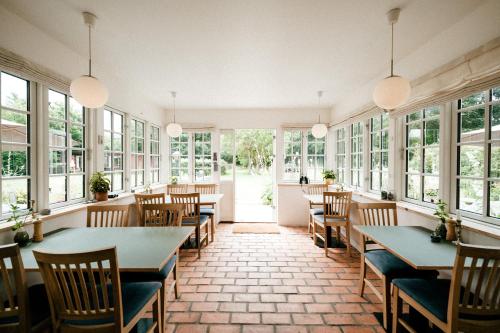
[269, 283]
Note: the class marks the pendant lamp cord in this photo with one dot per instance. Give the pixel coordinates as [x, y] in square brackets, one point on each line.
[392, 49]
[173, 96]
[320, 93]
[90, 50]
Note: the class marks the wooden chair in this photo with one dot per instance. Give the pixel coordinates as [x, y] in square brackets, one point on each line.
[208, 210]
[143, 199]
[336, 211]
[82, 299]
[315, 189]
[160, 215]
[384, 264]
[192, 217]
[469, 302]
[176, 188]
[22, 309]
[99, 216]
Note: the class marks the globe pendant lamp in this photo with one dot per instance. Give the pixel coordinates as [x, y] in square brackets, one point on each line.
[88, 90]
[319, 130]
[174, 130]
[394, 90]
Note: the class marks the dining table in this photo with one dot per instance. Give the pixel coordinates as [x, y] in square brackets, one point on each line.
[138, 249]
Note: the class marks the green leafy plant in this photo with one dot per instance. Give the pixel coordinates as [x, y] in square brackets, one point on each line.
[441, 211]
[99, 183]
[328, 174]
[18, 216]
[267, 195]
[173, 180]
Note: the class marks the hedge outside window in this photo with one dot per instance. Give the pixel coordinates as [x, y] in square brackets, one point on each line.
[154, 155]
[292, 140]
[202, 157]
[357, 155]
[114, 149]
[379, 152]
[422, 155]
[15, 142]
[66, 149]
[340, 155]
[136, 153]
[478, 154]
[179, 157]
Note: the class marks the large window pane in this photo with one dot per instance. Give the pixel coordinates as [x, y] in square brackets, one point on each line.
[15, 126]
[471, 195]
[472, 125]
[76, 187]
[57, 189]
[471, 160]
[14, 191]
[14, 92]
[15, 160]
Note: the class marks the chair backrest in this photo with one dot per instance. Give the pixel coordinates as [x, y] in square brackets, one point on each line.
[13, 288]
[78, 289]
[147, 199]
[337, 204]
[317, 189]
[163, 215]
[474, 299]
[191, 202]
[205, 188]
[378, 214]
[107, 216]
[177, 188]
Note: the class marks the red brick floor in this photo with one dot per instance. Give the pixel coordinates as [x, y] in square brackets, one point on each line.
[276, 283]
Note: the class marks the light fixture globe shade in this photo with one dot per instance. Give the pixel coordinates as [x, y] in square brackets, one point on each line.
[391, 92]
[319, 130]
[174, 130]
[89, 91]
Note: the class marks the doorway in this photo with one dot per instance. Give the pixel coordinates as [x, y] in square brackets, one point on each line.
[247, 157]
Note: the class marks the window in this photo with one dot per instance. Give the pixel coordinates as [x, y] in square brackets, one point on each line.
[478, 154]
[179, 157]
[66, 149]
[15, 142]
[422, 155]
[379, 152]
[154, 155]
[202, 157]
[136, 153]
[293, 154]
[113, 148]
[296, 163]
[340, 155]
[357, 155]
[315, 157]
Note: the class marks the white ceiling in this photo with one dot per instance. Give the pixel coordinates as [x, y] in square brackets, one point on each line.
[249, 54]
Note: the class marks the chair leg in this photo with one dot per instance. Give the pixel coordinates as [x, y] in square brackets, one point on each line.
[337, 230]
[386, 293]
[397, 306]
[198, 243]
[212, 226]
[325, 243]
[163, 299]
[157, 315]
[176, 292]
[309, 225]
[314, 233]
[362, 276]
[348, 239]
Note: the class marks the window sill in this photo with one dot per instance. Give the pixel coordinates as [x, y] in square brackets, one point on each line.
[58, 212]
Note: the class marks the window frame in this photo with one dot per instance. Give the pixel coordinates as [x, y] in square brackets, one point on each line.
[203, 156]
[152, 155]
[304, 153]
[380, 151]
[191, 156]
[32, 147]
[422, 147]
[341, 154]
[360, 153]
[134, 172]
[68, 150]
[123, 133]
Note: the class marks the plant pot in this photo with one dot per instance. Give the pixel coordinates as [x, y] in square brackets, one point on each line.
[329, 181]
[441, 230]
[451, 234]
[101, 196]
[22, 238]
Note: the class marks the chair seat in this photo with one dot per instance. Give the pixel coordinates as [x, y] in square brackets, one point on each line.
[38, 306]
[431, 294]
[320, 219]
[193, 221]
[207, 211]
[149, 276]
[392, 267]
[135, 295]
[316, 211]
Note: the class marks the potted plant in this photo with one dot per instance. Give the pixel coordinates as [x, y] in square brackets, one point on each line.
[442, 213]
[100, 186]
[173, 180]
[328, 176]
[21, 236]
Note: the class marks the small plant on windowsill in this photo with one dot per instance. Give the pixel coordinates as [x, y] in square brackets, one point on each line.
[442, 213]
[100, 186]
[328, 176]
[173, 180]
[19, 217]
